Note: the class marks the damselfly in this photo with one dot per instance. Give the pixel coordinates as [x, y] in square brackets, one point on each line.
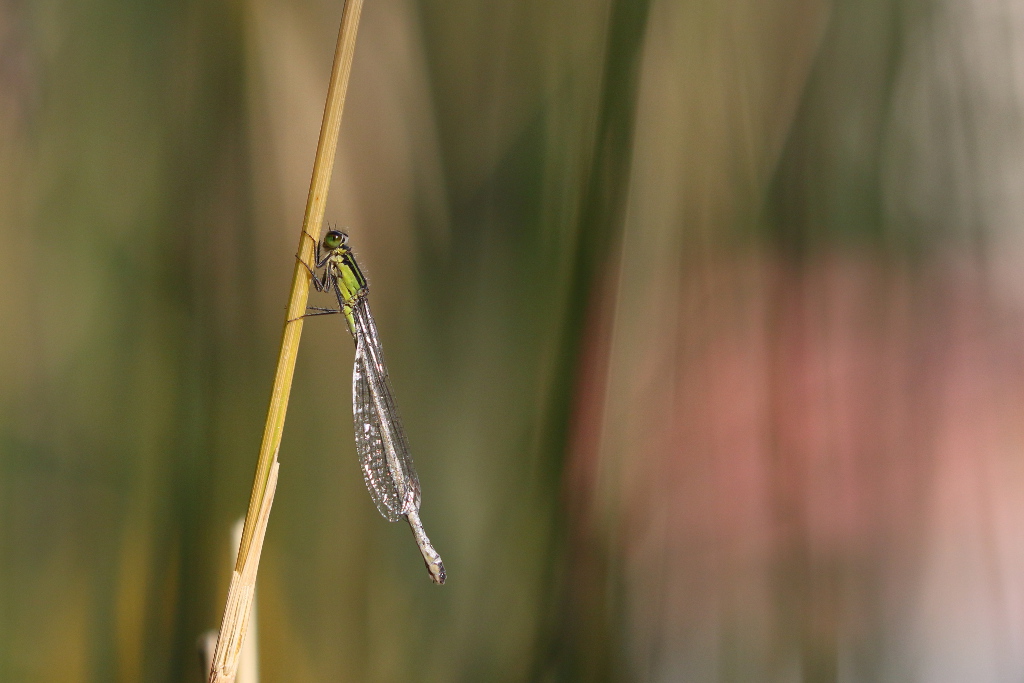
[380, 439]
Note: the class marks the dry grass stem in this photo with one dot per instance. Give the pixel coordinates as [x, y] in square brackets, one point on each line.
[243, 580]
[240, 596]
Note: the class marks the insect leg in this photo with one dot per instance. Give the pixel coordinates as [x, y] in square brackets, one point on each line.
[316, 311]
[319, 263]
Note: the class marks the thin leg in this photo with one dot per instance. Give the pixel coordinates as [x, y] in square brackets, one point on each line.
[325, 283]
[312, 274]
[321, 284]
[320, 262]
[316, 311]
[316, 245]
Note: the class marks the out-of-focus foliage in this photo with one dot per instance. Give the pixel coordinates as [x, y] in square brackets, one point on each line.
[703, 318]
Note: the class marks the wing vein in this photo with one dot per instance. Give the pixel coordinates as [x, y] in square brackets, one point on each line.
[381, 443]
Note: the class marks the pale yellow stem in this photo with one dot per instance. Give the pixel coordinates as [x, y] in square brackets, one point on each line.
[241, 592]
[243, 580]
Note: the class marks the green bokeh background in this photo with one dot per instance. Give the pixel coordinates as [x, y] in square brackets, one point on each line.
[155, 157]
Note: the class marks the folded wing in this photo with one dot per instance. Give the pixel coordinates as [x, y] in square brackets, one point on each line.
[381, 443]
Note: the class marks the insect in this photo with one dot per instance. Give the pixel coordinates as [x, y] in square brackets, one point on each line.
[381, 443]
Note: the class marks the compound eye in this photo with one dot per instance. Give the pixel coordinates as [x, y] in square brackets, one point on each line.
[334, 239]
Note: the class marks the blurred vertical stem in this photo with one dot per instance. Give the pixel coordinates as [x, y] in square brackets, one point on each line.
[593, 622]
[243, 578]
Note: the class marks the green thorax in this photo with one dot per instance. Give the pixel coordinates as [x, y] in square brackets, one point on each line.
[349, 280]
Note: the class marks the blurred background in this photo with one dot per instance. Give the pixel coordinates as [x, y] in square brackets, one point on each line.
[705, 319]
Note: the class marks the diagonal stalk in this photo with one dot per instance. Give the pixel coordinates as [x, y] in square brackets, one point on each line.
[243, 578]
